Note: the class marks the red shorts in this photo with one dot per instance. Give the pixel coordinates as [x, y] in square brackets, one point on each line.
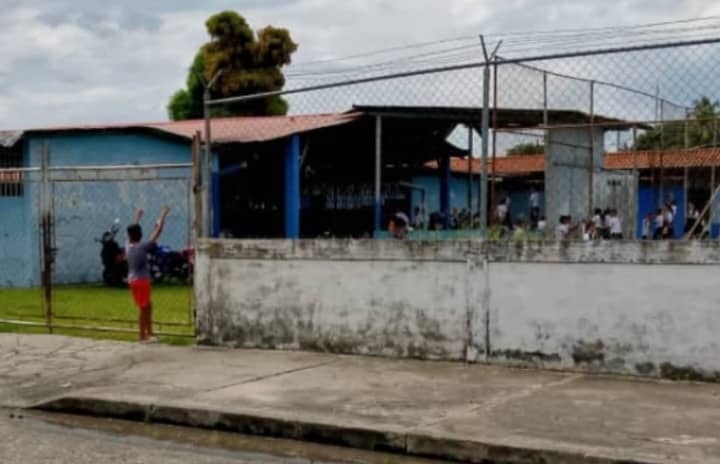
[140, 290]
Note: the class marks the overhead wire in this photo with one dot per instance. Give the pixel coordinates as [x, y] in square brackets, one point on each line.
[512, 40]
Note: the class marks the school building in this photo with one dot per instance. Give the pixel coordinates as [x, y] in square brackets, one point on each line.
[292, 176]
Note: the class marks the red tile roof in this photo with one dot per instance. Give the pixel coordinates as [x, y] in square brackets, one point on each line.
[532, 164]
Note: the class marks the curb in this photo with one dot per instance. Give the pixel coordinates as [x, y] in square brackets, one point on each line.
[415, 445]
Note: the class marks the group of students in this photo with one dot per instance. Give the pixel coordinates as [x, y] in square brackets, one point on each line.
[604, 225]
[660, 224]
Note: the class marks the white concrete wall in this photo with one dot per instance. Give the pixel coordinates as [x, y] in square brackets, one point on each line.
[620, 316]
[368, 301]
[636, 308]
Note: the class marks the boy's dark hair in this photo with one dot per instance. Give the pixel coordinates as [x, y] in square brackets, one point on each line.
[134, 232]
[399, 220]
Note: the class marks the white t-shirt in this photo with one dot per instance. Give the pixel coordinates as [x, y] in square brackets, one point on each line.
[542, 225]
[615, 225]
[669, 217]
[501, 210]
[534, 200]
[597, 220]
[659, 220]
[562, 231]
[646, 227]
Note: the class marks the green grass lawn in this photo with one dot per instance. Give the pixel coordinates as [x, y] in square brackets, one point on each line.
[93, 306]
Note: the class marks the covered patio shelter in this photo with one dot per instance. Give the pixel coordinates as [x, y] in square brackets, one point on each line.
[338, 174]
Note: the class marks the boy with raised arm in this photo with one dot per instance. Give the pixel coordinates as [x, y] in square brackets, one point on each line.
[139, 271]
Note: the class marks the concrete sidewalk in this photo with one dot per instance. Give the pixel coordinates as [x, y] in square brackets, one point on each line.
[441, 410]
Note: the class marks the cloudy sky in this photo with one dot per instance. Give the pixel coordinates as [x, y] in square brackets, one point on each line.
[88, 61]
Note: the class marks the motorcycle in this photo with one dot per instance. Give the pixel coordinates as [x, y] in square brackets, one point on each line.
[171, 266]
[115, 267]
[165, 264]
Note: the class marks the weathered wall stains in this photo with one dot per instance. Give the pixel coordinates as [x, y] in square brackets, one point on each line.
[634, 308]
[404, 305]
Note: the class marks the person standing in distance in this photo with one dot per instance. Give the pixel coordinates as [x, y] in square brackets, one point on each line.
[139, 280]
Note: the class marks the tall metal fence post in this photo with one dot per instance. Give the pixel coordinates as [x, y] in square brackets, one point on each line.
[686, 144]
[207, 164]
[591, 178]
[470, 169]
[712, 174]
[636, 181]
[493, 181]
[546, 137]
[47, 247]
[197, 186]
[661, 195]
[377, 212]
[485, 148]
[196, 206]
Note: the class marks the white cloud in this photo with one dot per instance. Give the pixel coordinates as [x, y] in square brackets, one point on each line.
[73, 61]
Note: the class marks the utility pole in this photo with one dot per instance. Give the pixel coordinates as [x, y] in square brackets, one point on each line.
[207, 164]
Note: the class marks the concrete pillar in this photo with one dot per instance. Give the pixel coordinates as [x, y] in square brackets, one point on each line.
[573, 157]
[292, 188]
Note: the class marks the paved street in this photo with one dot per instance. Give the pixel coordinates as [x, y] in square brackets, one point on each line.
[31, 441]
[31, 437]
[445, 409]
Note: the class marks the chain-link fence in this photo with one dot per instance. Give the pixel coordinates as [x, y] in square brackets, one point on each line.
[615, 143]
[66, 246]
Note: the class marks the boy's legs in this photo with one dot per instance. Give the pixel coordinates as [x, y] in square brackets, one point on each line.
[142, 323]
[148, 321]
[141, 294]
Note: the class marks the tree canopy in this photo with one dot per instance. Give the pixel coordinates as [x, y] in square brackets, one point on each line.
[702, 129]
[526, 149]
[250, 63]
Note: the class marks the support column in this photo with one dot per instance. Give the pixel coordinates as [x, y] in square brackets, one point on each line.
[445, 178]
[292, 188]
[712, 205]
[470, 170]
[378, 175]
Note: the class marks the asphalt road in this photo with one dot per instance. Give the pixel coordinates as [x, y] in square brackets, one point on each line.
[30, 437]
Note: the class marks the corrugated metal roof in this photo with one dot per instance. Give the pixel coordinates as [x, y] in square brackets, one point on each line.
[255, 129]
[505, 118]
[9, 138]
[224, 130]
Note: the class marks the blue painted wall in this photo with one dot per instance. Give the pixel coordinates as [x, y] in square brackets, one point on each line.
[519, 199]
[649, 200]
[19, 252]
[83, 210]
[431, 186]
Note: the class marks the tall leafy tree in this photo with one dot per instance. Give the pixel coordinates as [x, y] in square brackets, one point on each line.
[250, 63]
[701, 126]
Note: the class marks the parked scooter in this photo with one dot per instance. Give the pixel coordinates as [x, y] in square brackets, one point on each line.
[166, 265]
[115, 267]
[171, 266]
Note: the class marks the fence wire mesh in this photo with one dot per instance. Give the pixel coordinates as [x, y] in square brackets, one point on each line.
[90, 271]
[64, 259]
[596, 144]
[586, 145]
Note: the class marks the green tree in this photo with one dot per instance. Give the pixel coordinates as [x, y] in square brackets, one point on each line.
[526, 149]
[250, 63]
[701, 126]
